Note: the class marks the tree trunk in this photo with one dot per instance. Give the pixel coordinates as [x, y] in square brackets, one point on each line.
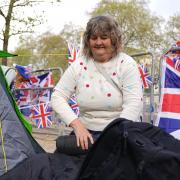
[7, 30]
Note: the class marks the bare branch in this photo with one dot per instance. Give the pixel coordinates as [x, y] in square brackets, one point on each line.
[2, 14]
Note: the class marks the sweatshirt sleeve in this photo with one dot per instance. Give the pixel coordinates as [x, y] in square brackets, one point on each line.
[64, 89]
[132, 91]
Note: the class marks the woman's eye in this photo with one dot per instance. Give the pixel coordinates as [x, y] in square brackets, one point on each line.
[105, 36]
[93, 37]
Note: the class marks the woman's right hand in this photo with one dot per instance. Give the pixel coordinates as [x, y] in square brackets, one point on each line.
[82, 134]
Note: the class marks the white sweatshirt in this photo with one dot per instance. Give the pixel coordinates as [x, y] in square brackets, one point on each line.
[99, 102]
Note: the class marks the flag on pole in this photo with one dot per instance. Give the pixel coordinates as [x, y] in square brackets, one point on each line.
[169, 111]
[42, 115]
[72, 53]
[145, 76]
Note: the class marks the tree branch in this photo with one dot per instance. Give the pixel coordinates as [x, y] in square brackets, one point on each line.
[2, 14]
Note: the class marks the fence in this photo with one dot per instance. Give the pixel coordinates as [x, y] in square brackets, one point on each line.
[37, 99]
[151, 98]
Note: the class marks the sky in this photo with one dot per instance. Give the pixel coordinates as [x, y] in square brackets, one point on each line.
[75, 11]
[165, 8]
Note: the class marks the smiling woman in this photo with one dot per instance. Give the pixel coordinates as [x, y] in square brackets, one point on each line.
[105, 81]
[102, 39]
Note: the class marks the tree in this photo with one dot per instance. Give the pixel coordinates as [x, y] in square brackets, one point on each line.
[72, 33]
[45, 51]
[172, 30]
[140, 29]
[15, 12]
[25, 51]
[53, 51]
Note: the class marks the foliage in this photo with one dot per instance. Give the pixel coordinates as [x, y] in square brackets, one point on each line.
[45, 51]
[141, 31]
[172, 33]
[17, 19]
[72, 33]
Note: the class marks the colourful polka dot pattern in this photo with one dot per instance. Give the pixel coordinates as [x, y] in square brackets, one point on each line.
[87, 85]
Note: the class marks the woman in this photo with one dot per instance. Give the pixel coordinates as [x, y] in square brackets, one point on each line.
[100, 102]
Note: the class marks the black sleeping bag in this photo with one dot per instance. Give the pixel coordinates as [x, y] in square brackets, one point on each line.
[129, 150]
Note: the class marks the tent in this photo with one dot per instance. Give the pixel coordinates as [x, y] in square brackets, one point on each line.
[16, 142]
[6, 54]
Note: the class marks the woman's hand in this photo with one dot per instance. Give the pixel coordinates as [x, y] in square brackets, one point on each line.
[82, 134]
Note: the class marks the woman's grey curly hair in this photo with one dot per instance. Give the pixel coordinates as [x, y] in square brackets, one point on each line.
[102, 25]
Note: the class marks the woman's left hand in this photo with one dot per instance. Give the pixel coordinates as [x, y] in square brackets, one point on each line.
[83, 137]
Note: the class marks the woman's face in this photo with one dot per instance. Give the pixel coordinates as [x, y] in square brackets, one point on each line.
[101, 47]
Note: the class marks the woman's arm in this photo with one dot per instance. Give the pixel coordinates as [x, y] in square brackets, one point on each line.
[59, 101]
[132, 92]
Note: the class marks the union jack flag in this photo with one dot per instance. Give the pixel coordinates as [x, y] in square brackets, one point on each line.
[23, 97]
[145, 76]
[177, 44]
[176, 62]
[46, 80]
[42, 115]
[72, 54]
[74, 105]
[42, 81]
[169, 111]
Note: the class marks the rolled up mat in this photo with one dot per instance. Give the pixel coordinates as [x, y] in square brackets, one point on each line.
[68, 145]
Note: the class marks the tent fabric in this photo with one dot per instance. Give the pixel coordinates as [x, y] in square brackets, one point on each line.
[44, 166]
[6, 54]
[16, 142]
[10, 74]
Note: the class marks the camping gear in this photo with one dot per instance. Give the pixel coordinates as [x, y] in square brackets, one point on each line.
[129, 150]
[6, 54]
[68, 145]
[16, 142]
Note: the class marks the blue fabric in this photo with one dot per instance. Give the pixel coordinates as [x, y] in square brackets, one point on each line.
[23, 70]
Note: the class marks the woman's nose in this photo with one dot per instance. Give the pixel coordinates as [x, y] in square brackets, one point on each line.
[98, 40]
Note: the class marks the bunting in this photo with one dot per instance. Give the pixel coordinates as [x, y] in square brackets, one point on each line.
[33, 103]
[42, 115]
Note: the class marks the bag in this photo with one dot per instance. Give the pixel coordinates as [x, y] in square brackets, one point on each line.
[129, 150]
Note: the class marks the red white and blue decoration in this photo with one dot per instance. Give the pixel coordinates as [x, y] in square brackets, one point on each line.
[145, 76]
[74, 105]
[72, 53]
[169, 110]
[42, 115]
